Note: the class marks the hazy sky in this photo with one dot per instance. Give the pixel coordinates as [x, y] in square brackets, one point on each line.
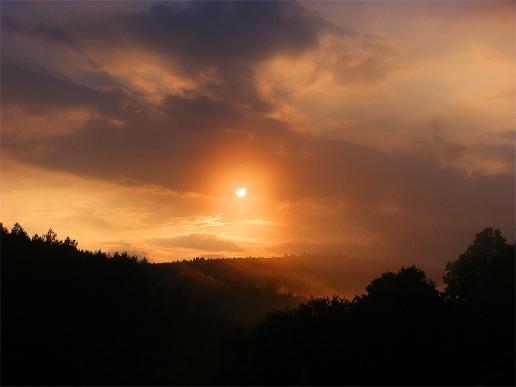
[378, 129]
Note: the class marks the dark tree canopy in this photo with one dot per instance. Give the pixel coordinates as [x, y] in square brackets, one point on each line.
[407, 290]
[76, 317]
[483, 276]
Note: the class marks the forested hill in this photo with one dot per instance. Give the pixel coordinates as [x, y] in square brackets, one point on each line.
[307, 274]
[73, 315]
[89, 318]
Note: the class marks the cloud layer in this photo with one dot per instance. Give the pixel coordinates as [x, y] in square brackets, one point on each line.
[138, 124]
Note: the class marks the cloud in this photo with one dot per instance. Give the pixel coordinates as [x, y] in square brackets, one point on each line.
[233, 32]
[235, 36]
[41, 91]
[324, 123]
[260, 222]
[200, 241]
[189, 144]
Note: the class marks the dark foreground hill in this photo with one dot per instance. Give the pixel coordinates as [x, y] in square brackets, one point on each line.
[308, 274]
[78, 317]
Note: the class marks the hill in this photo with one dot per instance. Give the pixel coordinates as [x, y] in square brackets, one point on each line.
[79, 317]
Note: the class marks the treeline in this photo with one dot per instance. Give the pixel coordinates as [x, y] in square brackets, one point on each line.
[307, 274]
[71, 316]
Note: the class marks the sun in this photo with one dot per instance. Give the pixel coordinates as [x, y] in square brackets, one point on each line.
[241, 192]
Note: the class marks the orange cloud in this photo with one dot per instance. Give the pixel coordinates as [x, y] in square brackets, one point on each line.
[354, 128]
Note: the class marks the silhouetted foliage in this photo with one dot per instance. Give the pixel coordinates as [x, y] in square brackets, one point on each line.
[401, 332]
[408, 291]
[483, 276]
[71, 316]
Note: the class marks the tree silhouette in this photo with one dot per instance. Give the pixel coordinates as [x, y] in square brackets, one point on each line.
[402, 331]
[407, 290]
[51, 237]
[483, 276]
[19, 233]
[72, 316]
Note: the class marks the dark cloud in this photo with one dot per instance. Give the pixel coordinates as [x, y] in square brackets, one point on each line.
[38, 91]
[200, 113]
[230, 38]
[198, 34]
[226, 39]
[232, 32]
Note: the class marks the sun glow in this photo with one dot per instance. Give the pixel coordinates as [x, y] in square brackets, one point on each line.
[241, 192]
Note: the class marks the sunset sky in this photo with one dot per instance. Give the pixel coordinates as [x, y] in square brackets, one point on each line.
[372, 129]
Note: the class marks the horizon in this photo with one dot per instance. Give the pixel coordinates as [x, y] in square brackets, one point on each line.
[305, 274]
